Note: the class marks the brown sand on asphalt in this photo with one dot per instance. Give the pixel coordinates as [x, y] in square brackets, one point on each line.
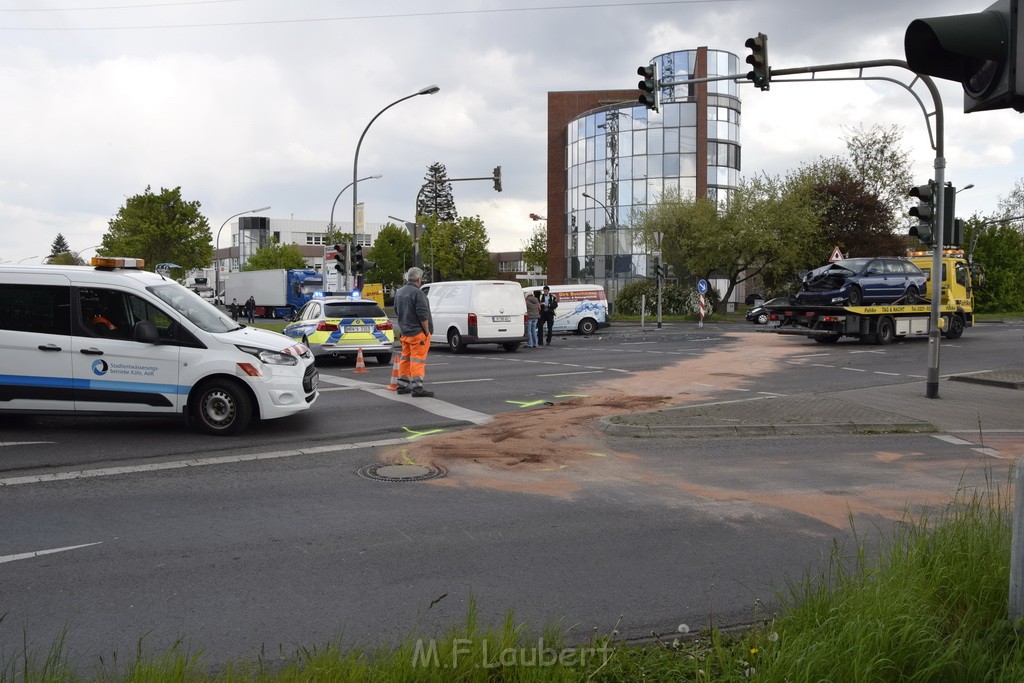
[557, 450]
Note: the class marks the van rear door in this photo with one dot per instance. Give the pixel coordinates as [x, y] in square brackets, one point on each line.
[499, 311]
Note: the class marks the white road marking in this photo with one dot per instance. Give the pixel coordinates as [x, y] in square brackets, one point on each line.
[854, 369]
[821, 365]
[431, 405]
[991, 452]
[23, 443]
[461, 381]
[891, 374]
[769, 393]
[39, 553]
[812, 355]
[196, 462]
[578, 372]
[952, 439]
[636, 343]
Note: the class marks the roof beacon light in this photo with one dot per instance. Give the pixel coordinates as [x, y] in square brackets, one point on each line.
[117, 262]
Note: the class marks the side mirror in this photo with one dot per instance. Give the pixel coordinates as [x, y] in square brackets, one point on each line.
[145, 331]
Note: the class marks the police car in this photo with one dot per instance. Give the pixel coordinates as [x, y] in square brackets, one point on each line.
[114, 339]
[332, 325]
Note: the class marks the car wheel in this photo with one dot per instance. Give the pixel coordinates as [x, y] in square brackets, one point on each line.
[383, 358]
[222, 407]
[587, 326]
[912, 296]
[886, 331]
[455, 342]
[762, 319]
[954, 326]
[856, 296]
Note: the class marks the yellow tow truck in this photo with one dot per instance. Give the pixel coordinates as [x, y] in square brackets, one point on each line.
[881, 324]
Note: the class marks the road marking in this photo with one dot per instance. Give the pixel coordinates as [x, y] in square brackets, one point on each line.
[891, 374]
[636, 343]
[952, 439]
[821, 365]
[769, 393]
[38, 553]
[434, 406]
[462, 381]
[197, 462]
[578, 372]
[812, 355]
[23, 443]
[991, 452]
[854, 369]
[879, 352]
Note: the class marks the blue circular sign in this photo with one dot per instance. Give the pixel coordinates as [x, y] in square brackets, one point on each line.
[702, 286]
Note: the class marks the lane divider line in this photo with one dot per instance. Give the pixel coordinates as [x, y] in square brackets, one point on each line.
[39, 553]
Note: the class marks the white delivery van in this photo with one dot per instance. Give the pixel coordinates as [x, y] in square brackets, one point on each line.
[581, 308]
[113, 339]
[477, 312]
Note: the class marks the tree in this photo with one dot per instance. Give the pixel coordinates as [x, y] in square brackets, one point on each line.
[66, 258]
[767, 228]
[458, 249]
[59, 246]
[435, 199]
[535, 249]
[274, 256]
[999, 247]
[882, 166]
[161, 228]
[392, 252]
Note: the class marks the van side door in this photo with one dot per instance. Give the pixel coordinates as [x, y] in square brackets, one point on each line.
[35, 343]
[113, 372]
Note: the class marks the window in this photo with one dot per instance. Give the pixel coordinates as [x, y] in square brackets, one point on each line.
[34, 308]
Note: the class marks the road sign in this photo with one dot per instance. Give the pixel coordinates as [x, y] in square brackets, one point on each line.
[702, 286]
[836, 255]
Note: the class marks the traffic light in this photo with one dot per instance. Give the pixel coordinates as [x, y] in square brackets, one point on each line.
[924, 212]
[497, 178]
[758, 58]
[357, 259]
[339, 259]
[949, 236]
[979, 51]
[650, 90]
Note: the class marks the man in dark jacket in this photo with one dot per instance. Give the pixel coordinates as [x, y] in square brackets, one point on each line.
[548, 304]
[412, 308]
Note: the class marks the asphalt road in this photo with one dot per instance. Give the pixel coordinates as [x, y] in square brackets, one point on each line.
[121, 530]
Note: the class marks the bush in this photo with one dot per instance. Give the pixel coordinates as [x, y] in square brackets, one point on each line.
[676, 299]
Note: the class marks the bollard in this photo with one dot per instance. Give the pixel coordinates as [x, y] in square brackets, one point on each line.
[1016, 608]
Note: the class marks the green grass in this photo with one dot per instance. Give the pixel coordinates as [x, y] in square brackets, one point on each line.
[931, 607]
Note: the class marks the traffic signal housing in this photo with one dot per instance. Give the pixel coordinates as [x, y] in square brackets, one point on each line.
[497, 178]
[978, 50]
[650, 89]
[358, 262]
[924, 212]
[339, 259]
[758, 59]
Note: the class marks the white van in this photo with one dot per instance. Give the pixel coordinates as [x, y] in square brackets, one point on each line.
[113, 339]
[477, 312]
[581, 308]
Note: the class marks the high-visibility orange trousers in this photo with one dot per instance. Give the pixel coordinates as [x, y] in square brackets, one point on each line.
[414, 360]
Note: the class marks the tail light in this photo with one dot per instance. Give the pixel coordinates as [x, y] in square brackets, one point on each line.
[383, 327]
[471, 319]
[324, 326]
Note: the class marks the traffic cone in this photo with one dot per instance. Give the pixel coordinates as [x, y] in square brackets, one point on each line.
[360, 363]
[394, 373]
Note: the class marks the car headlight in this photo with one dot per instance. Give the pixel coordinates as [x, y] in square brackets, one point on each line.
[270, 357]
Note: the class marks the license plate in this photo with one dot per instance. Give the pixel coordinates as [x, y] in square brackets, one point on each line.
[502, 319]
[358, 328]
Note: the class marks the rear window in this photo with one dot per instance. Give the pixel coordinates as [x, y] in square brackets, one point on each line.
[494, 298]
[353, 309]
[34, 308]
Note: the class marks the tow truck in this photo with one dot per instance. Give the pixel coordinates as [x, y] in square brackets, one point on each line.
[881, 324]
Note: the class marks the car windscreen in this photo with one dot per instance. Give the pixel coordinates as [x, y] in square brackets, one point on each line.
[353, 310]
[854, 265]
[198, 310]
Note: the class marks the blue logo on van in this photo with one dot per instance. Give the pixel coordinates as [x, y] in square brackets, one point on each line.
[99, 367]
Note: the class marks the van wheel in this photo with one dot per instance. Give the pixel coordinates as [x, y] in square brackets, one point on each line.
[511, 346]
[455, 342]
[222, 407]
[587, 326]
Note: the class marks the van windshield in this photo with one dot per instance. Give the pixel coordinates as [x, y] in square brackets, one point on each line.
[198, 310]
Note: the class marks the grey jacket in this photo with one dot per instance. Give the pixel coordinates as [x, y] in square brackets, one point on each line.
[532, 306]
[411, 307]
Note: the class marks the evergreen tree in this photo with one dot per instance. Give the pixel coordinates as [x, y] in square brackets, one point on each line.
[435, 199]
[59, 246]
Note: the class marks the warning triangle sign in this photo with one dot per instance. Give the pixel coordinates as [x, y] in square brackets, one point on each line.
[836, 255]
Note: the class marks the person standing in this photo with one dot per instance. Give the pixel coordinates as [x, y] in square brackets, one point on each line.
[250, 309]
[548, 304]
[234, 309]
[412, 308]
[532, 316]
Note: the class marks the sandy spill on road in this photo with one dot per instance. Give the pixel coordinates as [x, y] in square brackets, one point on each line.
[557, 450]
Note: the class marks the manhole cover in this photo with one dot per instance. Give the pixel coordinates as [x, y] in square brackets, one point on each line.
[390, 472]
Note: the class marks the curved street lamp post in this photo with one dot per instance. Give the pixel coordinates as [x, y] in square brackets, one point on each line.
[429, 90]
[216, 248]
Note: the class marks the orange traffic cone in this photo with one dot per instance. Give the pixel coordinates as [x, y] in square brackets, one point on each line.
[360, 363]
[394, 373]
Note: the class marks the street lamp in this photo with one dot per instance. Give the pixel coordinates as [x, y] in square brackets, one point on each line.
[216, 248]
[429, 90]
[27, 258]
[374, 177]
[541, 218]
[965, 187]
[658, 235]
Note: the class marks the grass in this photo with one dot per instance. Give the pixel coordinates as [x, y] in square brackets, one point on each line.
[932, 606]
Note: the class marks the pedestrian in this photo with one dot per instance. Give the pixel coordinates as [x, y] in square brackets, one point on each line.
[548, 304]
[250, 309]
[234, 309]
[532, 316]
[412, 308]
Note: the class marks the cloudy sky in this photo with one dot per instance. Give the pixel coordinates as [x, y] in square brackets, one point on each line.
[248, 103]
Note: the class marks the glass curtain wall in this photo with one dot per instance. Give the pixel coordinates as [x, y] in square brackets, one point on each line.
[622, 158]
